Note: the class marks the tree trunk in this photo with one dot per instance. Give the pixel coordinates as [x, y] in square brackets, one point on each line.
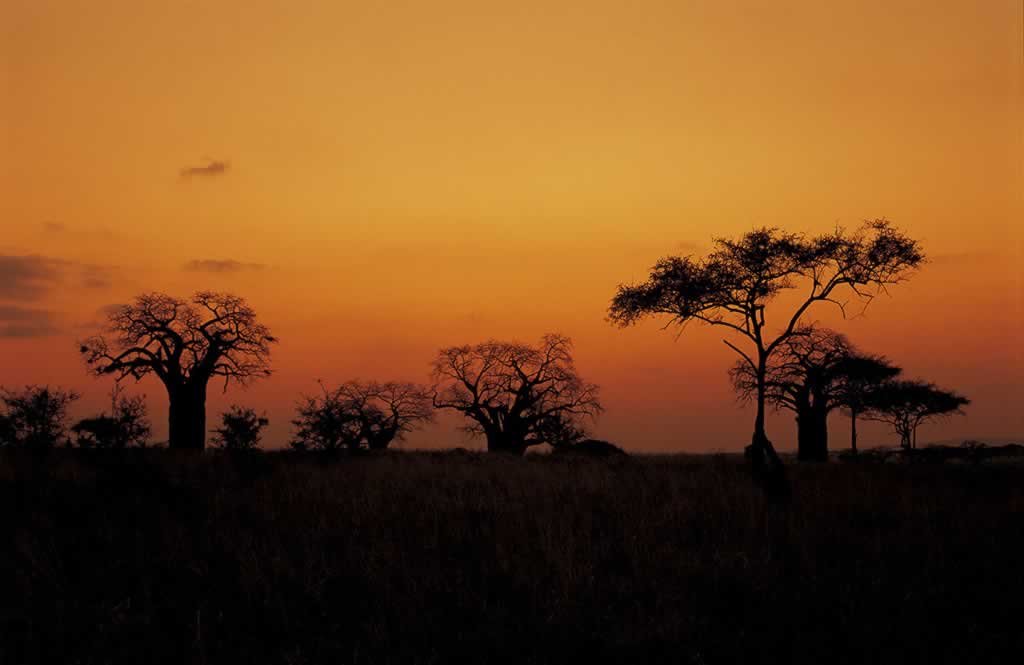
[812, 434]
[504, 442]
[765, 462]
[380, 440]
[853, 431]
[187, 418]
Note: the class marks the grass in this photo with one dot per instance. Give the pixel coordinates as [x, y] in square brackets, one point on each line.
[149, 556]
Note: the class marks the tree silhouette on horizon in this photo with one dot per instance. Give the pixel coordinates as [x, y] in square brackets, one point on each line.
[812, 373]
[733, 285]
[185, 344]
[906, 404]
[514, 393]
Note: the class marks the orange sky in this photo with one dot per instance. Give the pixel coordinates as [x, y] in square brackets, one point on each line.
[436, 173]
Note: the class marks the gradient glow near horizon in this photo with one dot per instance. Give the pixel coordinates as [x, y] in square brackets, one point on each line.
[384, 179]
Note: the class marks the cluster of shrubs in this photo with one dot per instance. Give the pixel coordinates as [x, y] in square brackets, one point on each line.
[36, 417]
[353, 416]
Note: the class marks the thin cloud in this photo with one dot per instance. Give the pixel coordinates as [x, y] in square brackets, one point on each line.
[213, 168]
[100, 317]
[28, 277]
[25, 322]
[94, 277]
[221, 266]
[958, 258]
[112, 308]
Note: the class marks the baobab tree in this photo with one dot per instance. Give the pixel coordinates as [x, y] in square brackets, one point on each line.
[358, 414]
[733, 285]
[185, 344]
[811, 374]
[905, 405]
[513, 393]
[389, 410]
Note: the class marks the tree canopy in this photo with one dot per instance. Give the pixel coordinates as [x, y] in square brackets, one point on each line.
[513, 394]
[360, 414]
[905, 405]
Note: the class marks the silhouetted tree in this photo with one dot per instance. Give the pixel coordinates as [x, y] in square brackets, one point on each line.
[126, 426]
[325, 423]
[514, 393]
[732, 286]
[35, 417]
[862, 374]
[185, 344]
[906, 404]
[358, 414]
[560, 430]
[241, 429]
[387, 411]
[811, 373]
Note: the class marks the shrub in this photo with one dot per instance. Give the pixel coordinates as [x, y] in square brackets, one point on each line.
[240, 429]
[35, 417]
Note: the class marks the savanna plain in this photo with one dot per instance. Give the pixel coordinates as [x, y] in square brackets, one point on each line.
[419, 557]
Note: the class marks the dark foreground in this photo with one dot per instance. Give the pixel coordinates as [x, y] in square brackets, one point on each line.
[437, 558]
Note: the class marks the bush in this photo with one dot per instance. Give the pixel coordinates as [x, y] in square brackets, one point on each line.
[240, 429]
[127, 426]
[35, 417]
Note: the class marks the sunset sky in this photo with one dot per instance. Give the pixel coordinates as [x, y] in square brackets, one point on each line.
[381, 179]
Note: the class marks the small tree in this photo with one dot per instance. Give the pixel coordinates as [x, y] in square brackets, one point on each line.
[513, 393]
[905, 405]
[734, 284]
[185, 344]
[560, 431]
[862, 374]
[241, 429]
[324, 423]
[35, 417]
[813, 372]
[387, 411]
[126, 426]
[357, 415]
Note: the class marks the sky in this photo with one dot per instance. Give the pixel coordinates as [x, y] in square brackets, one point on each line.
[380, 180]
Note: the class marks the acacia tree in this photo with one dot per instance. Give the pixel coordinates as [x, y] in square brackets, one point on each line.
[512, 393]
[733, 285]
[905, 405]
[185, 344]
[812, 373]
[861, 376]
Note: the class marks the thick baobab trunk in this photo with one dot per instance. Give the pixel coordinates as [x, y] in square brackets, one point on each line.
[505, 442]
[187, 418]
[812, 434]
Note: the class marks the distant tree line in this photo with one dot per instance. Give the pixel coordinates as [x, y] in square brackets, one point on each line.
[513, 395]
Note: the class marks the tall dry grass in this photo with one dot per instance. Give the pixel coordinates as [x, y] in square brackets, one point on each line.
[148, 556]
